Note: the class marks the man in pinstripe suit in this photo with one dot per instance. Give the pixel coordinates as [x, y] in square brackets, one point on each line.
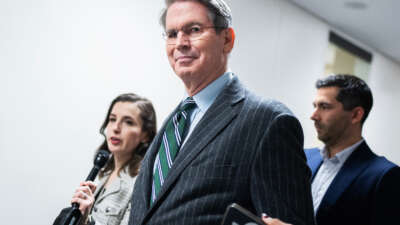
[236, 147]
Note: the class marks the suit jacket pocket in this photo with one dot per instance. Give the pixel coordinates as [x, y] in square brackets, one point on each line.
[113, 215]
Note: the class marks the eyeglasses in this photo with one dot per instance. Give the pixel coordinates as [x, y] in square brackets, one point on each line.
[192, 32]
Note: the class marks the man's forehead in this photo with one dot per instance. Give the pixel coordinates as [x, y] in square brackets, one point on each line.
[328, 91]
[327, 95]
[323, 100]
[183, 13]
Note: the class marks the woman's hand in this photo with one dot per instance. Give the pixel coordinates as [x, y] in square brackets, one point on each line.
[271, 221]
[84, 196]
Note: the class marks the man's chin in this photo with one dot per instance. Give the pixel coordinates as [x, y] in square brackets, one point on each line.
[322, 138]
[184, 72]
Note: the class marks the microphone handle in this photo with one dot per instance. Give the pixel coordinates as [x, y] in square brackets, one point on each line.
[75, 217]
[75, 206]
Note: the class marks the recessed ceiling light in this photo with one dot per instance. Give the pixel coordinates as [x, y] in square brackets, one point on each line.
[355, 5]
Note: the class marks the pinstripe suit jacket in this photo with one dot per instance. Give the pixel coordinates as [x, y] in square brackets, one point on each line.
[244, 150]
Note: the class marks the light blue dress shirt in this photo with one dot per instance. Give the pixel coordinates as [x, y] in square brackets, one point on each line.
[204, 99]
[328, 171]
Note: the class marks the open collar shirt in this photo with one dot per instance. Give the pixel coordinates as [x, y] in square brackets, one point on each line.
[328, 171]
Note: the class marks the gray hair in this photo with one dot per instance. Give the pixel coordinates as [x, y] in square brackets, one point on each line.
[218, 12]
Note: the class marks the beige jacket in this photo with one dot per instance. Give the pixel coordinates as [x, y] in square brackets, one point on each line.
[113, 205]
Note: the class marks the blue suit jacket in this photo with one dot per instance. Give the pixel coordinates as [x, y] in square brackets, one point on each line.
[365, 191]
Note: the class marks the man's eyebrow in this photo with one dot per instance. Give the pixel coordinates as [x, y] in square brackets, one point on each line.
[185, 26]
[192, 24]
[319, 103]
[325, 103]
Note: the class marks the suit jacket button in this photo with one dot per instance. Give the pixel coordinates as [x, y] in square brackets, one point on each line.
[107, 209]
[95, 209]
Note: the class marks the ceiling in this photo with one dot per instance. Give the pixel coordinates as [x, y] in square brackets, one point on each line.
[375, 23]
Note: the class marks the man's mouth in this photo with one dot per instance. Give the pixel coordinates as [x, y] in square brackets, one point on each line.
[184, 59]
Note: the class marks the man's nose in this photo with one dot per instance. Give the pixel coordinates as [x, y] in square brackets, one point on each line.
[314, 115]
[182, 40]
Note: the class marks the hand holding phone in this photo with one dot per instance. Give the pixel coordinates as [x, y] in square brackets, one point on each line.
[237, 215]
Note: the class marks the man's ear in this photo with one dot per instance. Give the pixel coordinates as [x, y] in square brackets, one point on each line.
[229, 39]
[357, 114]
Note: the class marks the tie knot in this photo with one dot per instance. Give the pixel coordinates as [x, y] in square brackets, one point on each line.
[187, 104]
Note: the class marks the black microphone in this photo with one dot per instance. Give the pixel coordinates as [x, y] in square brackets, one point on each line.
[72, 215]
[98, 163]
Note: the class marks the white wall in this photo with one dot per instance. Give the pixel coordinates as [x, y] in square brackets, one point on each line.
[280, 53]
[382, 126]
[62, 62]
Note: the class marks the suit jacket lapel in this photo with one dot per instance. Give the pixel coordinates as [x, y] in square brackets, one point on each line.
[112, 188]
[100, 186]
[353, 166]
[218, 116]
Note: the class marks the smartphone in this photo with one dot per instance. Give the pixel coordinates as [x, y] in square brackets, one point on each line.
[237, 215]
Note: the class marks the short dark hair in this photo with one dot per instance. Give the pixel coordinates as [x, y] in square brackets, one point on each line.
[149, 126]
[218, 11]
[353, 92]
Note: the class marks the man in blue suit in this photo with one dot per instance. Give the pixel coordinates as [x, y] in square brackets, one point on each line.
[350, 184]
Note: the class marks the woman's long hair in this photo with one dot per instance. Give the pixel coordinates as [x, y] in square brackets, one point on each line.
[149, 126]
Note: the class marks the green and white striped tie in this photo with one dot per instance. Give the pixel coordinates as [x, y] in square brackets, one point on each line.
[170, 145]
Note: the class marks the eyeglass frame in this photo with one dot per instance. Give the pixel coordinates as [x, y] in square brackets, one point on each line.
[186, 30]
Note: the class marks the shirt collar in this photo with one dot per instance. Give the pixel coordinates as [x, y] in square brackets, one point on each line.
[206, 97]
[342, 155]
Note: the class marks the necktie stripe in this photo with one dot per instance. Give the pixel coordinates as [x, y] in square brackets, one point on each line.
[165, 143]
[155, 164]
[156, 184]
[163, 165]
[153, 192]
[170, 145]
[160, 174]
[184, 114]
[177, 135]
[169, 160]
[160, 171]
